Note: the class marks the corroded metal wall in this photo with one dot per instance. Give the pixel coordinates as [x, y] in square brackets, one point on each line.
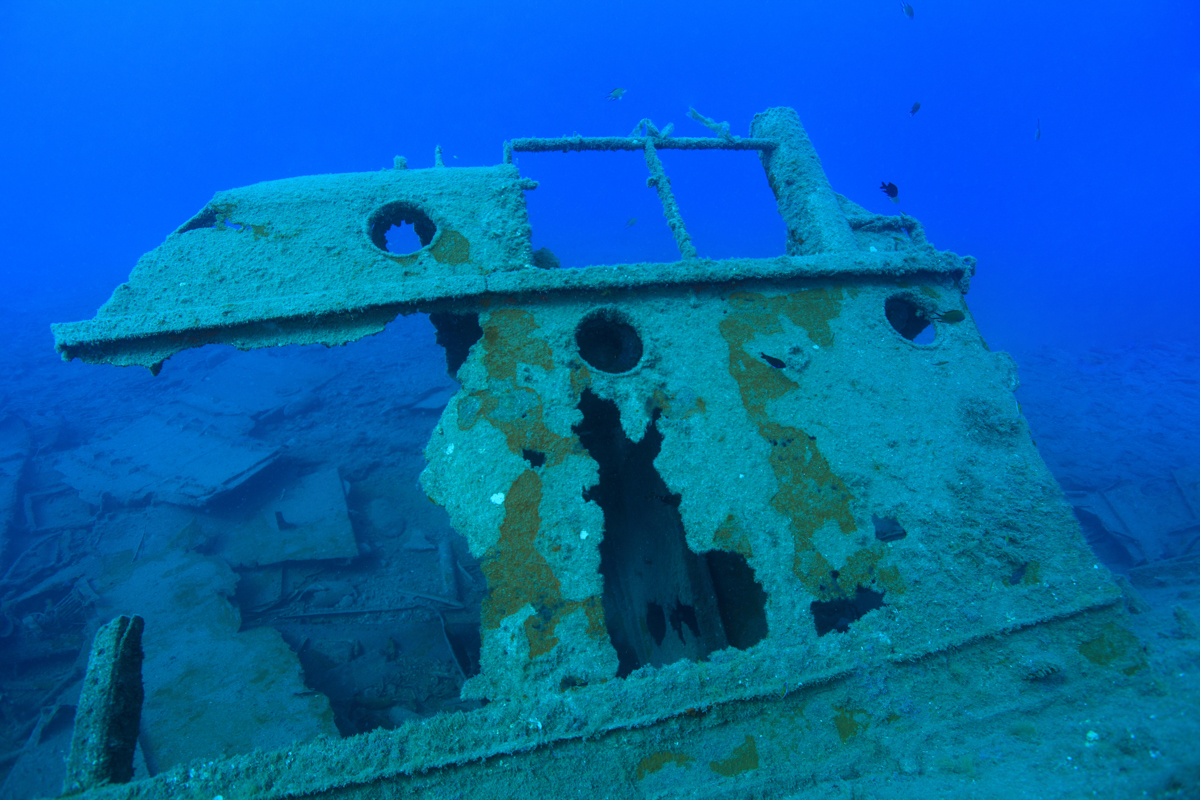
[799, 429]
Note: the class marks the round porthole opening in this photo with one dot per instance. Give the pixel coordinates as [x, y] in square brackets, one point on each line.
[909, 319]
[401, 228]
[608, 342]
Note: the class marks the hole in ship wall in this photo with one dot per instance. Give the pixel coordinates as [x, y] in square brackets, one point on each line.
[662, 602]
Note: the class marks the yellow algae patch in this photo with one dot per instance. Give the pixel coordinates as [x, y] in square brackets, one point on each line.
[451, 248]
[581, 378]
[517, 414]
[517, 574]
[516, 411]
[509, 337]
[850, 722]
[656, 761]
[1114, 644]
[731, 536]
[810, 494]
[743, 759]
[679, 405]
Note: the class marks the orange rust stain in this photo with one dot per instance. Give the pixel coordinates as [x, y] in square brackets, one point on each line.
[518, 415]
[731, 536]
[517, 573]
[581, 378]
[510, 337]
[406, 260]
[1115, 645]
[810, 494]
[510, 340]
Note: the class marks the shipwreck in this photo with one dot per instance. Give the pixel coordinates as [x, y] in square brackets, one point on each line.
[711, 498]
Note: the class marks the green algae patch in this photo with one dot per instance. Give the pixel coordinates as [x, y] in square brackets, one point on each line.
[850, 722]
[656, 761]
[518, 575]
[743, 759]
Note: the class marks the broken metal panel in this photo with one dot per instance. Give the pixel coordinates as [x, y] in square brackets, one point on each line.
[255, 385]
[308, 521]
[174, 456]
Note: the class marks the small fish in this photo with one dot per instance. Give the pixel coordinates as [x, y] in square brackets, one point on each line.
[773, 361]
[916, 107]
[908, 10]
[949, 316]
[616, 94]
[1037, 135]
[891, 190]
[631, 223]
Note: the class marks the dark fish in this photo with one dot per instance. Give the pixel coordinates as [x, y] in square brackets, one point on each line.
[616, 94]
[631, 223]
[1037, 136]
[908, 10]
[891, 190]
[774, 362]
[916, 107]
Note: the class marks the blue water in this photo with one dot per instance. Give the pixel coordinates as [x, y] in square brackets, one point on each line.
[1056, 142]
[121, 121]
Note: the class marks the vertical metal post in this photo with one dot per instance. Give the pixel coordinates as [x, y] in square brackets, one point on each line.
[110, 709]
